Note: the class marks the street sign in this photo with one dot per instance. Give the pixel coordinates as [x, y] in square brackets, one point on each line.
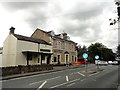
[96, 57]
[85, 55]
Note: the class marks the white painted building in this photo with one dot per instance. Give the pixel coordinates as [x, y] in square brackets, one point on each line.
[22, 50]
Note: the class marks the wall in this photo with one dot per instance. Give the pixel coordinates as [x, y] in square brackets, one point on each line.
[25, 46]
[41, 35]
[9, 51]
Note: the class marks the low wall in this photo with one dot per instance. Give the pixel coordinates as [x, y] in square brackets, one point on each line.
[24, 69]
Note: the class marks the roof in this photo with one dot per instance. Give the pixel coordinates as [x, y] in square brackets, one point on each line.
[30, 39]
[56, 36]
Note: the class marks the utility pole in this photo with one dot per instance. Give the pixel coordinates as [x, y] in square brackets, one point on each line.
[117, 2]
[114, 21]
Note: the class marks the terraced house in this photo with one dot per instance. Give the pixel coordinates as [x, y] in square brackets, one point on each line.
[64, 50]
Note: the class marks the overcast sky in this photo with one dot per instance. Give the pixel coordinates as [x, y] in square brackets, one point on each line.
[85, 22]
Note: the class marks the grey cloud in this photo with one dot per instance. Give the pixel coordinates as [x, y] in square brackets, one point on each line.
[39, 13]
[14, 6]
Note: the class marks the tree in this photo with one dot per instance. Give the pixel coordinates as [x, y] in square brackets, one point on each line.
[118, 50]
[81, 51]
[101, 50]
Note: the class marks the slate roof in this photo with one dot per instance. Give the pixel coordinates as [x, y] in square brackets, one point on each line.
[30, 39]
[56, 36]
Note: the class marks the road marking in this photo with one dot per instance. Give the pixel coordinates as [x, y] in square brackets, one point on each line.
[70, 84]
[93, 74]
[42, 85]
[65, 83]
[67, 78]
[83, 80]
[81, 74]
[45, 80]
[47, 73]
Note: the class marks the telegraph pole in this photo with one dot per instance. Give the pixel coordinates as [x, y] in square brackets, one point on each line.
[117, 2]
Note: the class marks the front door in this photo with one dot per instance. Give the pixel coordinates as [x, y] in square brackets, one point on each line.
[48, 59]
[66, 59]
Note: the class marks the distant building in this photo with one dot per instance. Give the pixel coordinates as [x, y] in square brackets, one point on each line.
[22, 50]
[64, 50]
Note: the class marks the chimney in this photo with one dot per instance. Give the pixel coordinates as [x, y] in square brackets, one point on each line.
[65, 35]
[12, 29]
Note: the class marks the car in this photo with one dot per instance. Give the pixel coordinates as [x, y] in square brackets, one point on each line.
[99, 62]
[115, 63]
[110, 62]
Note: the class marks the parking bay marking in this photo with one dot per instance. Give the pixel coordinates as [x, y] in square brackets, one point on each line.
[81, 74]
[67, 78]
[42, 85]
[45, 80]
[65, 83]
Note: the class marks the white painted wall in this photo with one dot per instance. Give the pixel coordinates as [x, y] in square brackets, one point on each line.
[13, 48]
[25, 46]
[9, 51]
[43, 46]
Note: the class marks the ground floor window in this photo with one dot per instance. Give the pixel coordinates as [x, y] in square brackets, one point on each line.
[55, 60]
[72, 58]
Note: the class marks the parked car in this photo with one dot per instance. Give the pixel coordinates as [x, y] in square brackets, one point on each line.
[99, 62]
[110, 62]
[115, 63]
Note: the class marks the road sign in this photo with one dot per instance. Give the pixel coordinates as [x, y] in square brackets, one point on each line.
[85, 55]
[96, 57]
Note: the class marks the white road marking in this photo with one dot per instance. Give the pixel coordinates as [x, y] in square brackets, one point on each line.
[45, 80]
[65, 83]
[42, 85]
[38, 75]
[81, 74]
[83, 80]
[70, 84]
[67, 78]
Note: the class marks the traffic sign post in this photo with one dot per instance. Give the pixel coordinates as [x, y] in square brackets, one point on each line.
[97, 57]
[85, 56]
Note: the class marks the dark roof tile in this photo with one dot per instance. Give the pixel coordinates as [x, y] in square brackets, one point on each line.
[30, 39]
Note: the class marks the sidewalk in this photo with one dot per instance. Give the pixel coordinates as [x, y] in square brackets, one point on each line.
[56, 68]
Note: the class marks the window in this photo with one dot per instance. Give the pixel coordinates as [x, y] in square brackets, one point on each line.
[55, 59]
[65, 46]
[72, 58]
[73, 47]
[58, 45]
[42, 57]
[29, 56]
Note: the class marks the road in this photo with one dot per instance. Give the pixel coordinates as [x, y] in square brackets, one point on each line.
[70, 78]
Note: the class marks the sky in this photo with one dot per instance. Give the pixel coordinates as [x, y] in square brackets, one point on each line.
[86, 22]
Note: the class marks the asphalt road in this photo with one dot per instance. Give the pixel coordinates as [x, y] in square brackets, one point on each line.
[72, 78]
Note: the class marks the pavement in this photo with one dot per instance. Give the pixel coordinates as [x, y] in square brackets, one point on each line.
[56, 68]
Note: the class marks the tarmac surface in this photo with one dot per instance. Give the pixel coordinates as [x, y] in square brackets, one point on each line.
[56, 68]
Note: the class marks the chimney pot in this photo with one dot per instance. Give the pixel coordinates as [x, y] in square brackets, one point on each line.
[12, 29]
